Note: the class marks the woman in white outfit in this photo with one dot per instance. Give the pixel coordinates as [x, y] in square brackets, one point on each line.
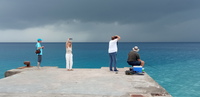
[69, 55]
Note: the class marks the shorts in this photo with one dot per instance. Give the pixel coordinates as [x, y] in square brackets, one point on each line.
[39, 58]
[135, 63]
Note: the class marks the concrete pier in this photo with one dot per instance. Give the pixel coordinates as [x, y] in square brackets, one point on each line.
[58, 82]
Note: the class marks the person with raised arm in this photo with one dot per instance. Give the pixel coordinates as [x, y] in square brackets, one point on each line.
[69, 55]
[112, 50]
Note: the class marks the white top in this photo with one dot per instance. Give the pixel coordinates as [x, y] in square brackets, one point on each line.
[69, 50]
[137, 66]
[113, 46]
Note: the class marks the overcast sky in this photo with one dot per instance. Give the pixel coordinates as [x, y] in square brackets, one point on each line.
[98, 20]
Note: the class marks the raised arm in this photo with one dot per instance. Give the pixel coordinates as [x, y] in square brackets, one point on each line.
[118, 37]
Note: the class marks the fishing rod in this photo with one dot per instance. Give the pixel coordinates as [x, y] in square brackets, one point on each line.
[151, 66]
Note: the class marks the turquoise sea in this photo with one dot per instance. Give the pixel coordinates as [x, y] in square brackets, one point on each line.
[174, 65]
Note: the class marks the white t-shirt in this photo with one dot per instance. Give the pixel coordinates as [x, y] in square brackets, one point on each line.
[112, 46]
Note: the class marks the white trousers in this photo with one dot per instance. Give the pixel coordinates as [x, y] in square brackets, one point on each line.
[69, 61]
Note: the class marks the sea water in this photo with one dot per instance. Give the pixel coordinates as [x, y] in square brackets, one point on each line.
[175, 66]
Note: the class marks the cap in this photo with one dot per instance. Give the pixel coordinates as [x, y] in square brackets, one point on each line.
[39, 39]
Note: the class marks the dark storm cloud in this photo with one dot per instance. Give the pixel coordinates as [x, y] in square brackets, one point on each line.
[97, 20]
[27, 13]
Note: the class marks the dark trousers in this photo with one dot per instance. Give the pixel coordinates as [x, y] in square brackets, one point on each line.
[40, 58]
[113, 61]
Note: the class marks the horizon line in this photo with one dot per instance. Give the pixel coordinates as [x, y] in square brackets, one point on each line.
[106, 42]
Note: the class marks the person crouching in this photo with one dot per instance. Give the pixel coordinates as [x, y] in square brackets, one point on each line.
[134, 58]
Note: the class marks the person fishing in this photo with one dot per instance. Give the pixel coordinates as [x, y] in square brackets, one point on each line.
[134, 58]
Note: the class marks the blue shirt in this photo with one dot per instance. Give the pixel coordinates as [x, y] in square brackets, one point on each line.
[39, 45]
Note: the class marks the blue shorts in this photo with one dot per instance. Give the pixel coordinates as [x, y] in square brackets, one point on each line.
[39, 58]
[135, 63]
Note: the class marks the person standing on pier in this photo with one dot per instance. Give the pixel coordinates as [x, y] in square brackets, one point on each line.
[69, 55]
[39, 47]
[112, 50]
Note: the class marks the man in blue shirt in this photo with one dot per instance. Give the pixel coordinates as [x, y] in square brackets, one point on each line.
[39, 47]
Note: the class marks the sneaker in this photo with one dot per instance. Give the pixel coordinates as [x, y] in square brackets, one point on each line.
[38, 67]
